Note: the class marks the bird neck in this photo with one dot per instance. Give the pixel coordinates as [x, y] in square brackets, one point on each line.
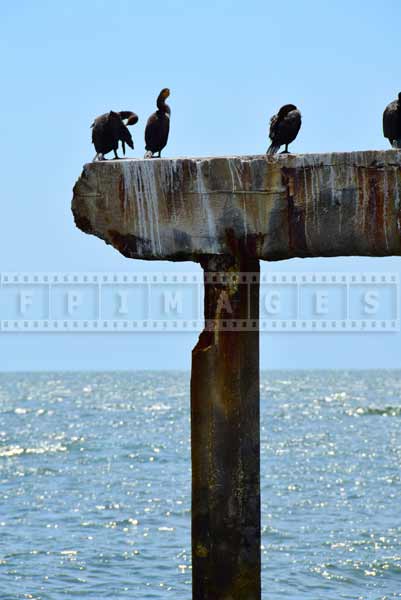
[162, 106]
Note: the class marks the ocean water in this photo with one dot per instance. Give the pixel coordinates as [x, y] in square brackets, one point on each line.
[95, 486]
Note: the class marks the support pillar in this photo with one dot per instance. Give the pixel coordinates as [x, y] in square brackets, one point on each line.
[226, 435]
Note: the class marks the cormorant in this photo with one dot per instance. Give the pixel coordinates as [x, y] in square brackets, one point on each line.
[284, 127]
[392, 122]
[109, 129]
[158, 126]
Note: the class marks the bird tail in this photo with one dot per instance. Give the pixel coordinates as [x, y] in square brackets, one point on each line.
[273, 148]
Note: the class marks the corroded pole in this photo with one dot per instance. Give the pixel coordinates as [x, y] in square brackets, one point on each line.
[225, 435]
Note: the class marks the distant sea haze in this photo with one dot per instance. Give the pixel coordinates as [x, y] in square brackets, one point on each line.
[95, 485]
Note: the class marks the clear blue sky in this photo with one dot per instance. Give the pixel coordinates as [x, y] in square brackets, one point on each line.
[229, 66]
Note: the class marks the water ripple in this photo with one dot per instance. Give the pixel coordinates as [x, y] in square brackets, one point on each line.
[95, 485]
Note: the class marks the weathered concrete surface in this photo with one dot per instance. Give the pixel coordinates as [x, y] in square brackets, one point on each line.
[267, 207]
[225, 439]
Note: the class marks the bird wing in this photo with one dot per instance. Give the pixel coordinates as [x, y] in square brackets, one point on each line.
[273, 122]
[99, 132]
[392, 121]
[125, 136]
[120, 131]
[156, 131]
[151, 129]
[285, 130]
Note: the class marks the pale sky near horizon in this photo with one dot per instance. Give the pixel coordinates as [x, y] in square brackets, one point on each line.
[230, 66]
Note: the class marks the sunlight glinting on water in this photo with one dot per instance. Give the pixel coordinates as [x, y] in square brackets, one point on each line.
[95, 485]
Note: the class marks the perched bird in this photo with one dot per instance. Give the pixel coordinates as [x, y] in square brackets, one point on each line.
[284, 127]
[392, 122]
[158, 126]
[109, 129]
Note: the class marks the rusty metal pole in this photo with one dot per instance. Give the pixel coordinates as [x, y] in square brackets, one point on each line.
[226, 435]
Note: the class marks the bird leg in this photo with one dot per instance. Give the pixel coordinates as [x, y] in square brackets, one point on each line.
[159, 154]
[116, 155]
[286, 150]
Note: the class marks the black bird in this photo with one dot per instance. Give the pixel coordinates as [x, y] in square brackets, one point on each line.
[284, 127]
[158, 126]
[392, 122]
[109, 129]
